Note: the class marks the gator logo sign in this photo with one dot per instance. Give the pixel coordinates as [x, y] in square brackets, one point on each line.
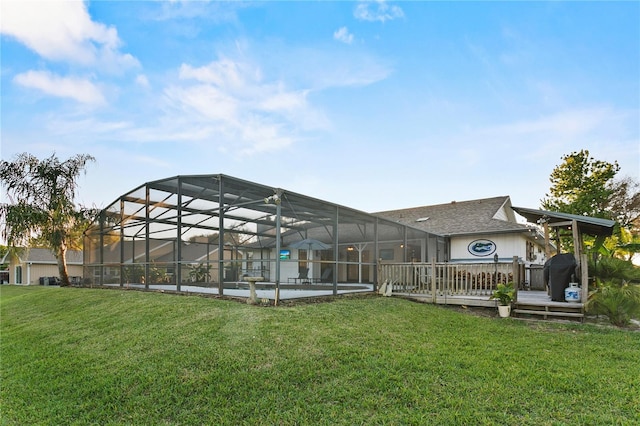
[482, 247]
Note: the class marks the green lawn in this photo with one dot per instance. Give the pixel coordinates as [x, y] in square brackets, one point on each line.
[89, 356]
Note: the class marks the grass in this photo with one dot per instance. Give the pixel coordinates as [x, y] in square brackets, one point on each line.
[112, 357]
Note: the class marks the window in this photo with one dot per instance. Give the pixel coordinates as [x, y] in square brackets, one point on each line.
[386, 254]
[18, 274]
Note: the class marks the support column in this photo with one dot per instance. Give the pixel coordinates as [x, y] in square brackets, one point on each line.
[335, 250]
[376, 251]
[179, 237]
[515, 266]
[102, 219]
[121, 242]
[220, 237]
[278, 239]
[577, 243]
[547, 241]
[584, 279]
[146, 239]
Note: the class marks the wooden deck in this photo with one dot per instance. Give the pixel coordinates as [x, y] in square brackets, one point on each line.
[472, 285]
[529, 304]
[538, 303]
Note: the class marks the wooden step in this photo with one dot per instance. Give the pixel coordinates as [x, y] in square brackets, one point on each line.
[550, 309]
[548, 313]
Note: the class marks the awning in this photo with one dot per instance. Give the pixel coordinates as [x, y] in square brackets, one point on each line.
[586, 224]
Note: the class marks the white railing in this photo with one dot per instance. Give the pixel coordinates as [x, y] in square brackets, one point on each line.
[447, 279]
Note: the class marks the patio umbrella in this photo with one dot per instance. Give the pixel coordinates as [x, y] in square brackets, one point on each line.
[310, 244]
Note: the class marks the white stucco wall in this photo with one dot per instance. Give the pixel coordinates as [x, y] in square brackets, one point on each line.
[507, 246]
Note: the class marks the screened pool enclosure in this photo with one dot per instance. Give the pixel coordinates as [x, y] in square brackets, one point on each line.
[208, 233]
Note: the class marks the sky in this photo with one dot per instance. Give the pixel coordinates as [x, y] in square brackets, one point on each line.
[372, 105]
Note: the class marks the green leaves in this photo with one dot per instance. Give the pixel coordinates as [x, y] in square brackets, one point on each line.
[504, 293]
[42, 207]
[618, 302]
[581, 185]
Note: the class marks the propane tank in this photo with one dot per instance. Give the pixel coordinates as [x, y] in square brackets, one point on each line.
[572, 293]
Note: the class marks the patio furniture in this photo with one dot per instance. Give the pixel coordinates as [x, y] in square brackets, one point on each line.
[303, 277]
[325, 278]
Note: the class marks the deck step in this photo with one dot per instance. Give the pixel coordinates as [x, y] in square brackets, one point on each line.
[548, 313]
[550, 309]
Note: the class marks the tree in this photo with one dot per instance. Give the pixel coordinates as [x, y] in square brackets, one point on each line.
[41, 204]
[582, 185]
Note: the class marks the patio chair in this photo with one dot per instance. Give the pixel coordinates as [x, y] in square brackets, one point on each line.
[303, 276]
[326, 274]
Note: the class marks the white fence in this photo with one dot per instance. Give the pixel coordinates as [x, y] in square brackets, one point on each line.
[442, 280]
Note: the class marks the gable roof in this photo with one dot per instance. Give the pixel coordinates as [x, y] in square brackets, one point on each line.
[486, 215]
[45, 256]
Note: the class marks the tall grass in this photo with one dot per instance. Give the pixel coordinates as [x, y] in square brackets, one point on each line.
[83, 356]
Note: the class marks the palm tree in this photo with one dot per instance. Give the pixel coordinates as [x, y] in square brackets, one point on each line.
[41, 204]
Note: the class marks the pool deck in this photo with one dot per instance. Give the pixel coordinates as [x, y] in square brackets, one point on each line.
[264, 290]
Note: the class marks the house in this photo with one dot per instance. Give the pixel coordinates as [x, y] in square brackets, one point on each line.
[478, 230]
[32, 264]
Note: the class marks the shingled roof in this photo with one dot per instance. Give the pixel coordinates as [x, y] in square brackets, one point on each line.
[487, 215]
[45, 256]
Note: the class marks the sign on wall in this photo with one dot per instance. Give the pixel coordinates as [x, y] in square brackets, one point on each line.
[482, 247]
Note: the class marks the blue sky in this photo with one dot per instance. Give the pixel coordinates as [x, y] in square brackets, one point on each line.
[373, 105]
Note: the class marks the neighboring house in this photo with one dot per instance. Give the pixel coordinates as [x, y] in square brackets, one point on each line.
[477, 230]
[32, 264]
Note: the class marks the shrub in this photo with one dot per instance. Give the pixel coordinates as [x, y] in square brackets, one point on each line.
[614, 269]
[618, 302]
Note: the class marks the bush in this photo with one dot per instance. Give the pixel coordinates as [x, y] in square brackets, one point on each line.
[614, 269]
[618, 302]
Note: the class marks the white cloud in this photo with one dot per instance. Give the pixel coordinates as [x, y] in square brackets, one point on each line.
[343, 35]
[81, 90]
[142, 80]
[564, 125]
[606, 131]
[230, 101]
[377, 11]
[64, 31]
[221, 73]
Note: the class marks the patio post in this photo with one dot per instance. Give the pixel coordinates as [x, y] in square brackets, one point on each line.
[278, 234]
[584, 279]
[121, 242]
[146, 238]
[515, 266]
[433, 280]
[179, 237]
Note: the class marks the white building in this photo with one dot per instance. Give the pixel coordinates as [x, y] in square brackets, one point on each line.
[478, 230]
[32, 264]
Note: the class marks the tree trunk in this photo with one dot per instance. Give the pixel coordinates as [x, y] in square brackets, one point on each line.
[61, 257]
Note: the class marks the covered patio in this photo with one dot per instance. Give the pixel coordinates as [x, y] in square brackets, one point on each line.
[209, 233]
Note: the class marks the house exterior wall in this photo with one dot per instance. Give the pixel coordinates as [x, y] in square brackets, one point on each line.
[505, 245]
[31, 272]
